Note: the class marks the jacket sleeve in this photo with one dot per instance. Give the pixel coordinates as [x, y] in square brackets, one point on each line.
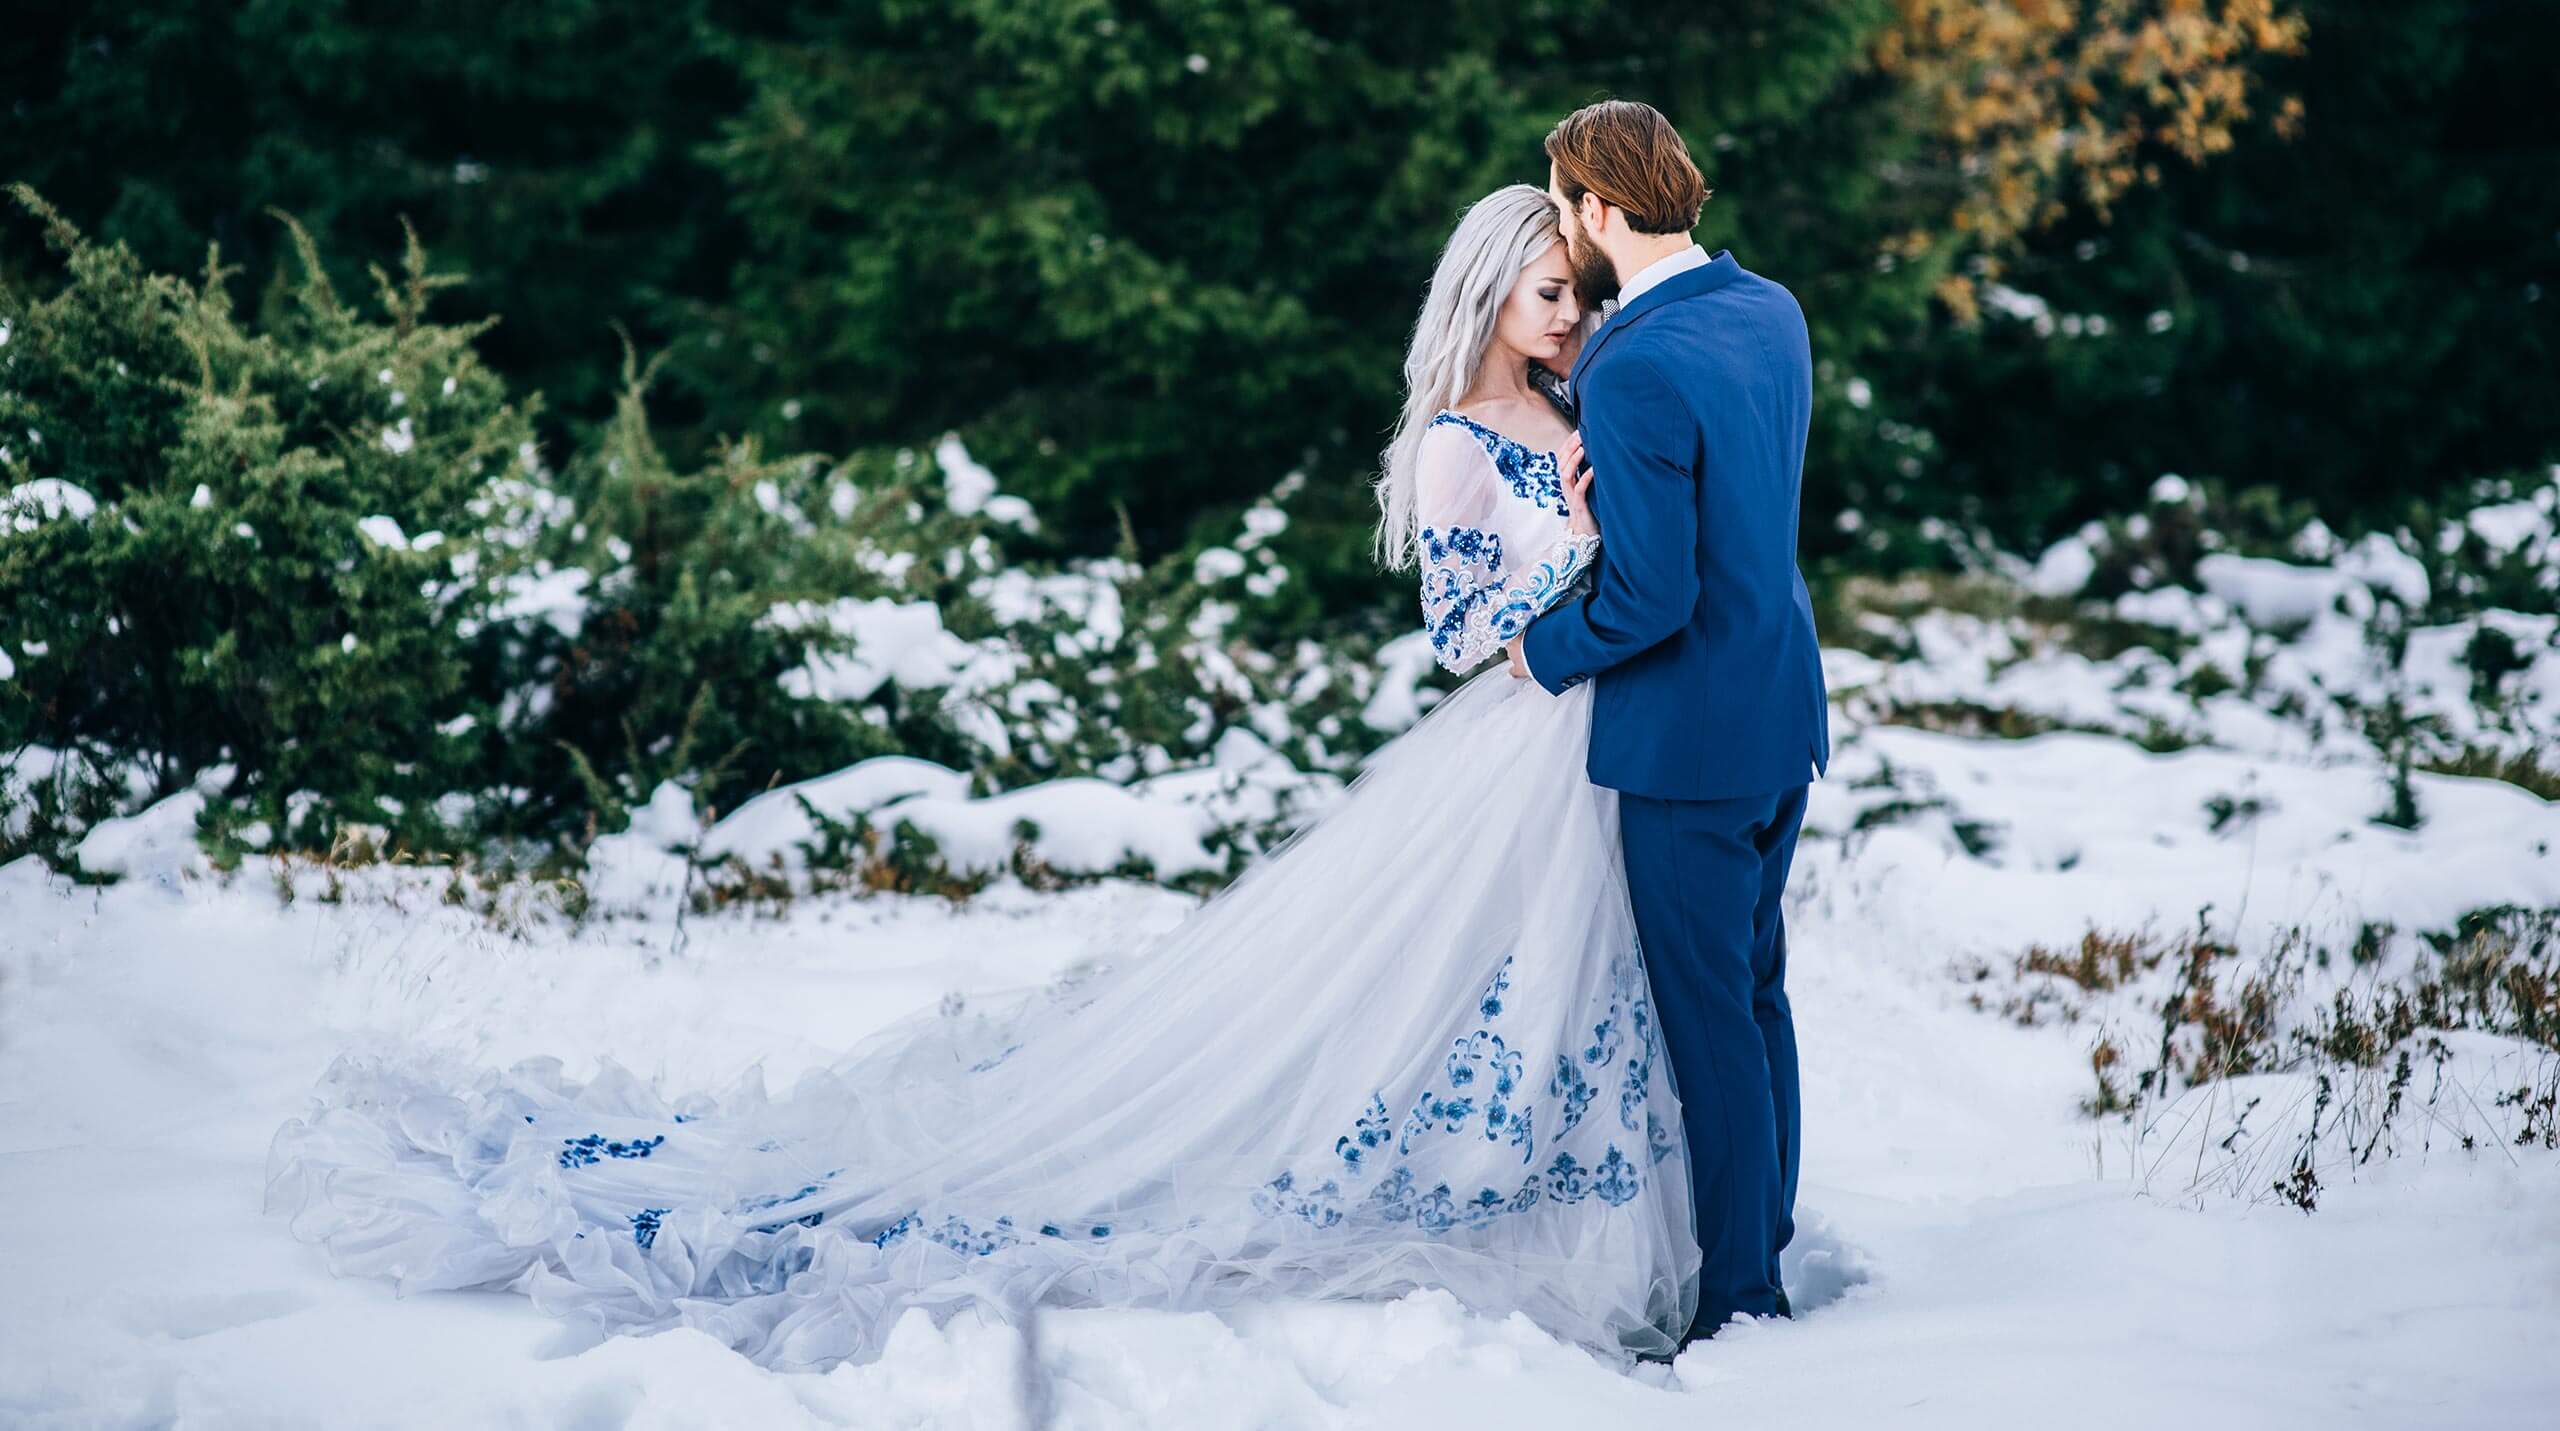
[1641, 440]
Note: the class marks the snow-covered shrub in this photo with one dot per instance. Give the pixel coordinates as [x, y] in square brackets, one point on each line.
[2386, 651]
[235, 545]
[634, 641]
[2268, 1076]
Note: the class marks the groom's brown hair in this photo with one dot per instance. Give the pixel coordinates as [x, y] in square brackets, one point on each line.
[1629, 155]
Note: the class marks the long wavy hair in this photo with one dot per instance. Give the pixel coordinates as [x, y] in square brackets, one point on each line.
[1498, 236]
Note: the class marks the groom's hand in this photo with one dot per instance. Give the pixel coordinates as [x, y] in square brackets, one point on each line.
[1519, 667]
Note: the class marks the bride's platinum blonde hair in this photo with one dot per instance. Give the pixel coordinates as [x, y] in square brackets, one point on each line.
[1498, 236]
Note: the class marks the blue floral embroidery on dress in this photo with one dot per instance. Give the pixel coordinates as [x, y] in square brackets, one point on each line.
[1472, 544]
[1371, 1132]
[1631, 1095]
[1471, 602]
[1491, 1074]
[1461, 574]
[1615, 1179]
[1521, 1136]
[1431, 1110]
[896, 1230]
[591, 1149]
[982, 1065]
[957, 1234]
[644, 1225]
[1569, 1085]
[1319, 1207]
[1541, 586]
[1491, 1004]
[1435, 1212]
[778, 1199]
[1604, 1039]
[1485, 1048]
[1566, 1180]
[1530, 475]
[1098, 1231]
[1392, 1198]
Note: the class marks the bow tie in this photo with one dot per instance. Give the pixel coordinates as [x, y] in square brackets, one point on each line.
[1556, 390]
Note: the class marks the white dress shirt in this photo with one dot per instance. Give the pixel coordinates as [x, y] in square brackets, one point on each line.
[1670, 265]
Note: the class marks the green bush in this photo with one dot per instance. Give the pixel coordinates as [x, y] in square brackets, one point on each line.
[656, 660]
[253, 549]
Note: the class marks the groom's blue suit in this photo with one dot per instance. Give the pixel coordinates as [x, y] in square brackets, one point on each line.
[1711, 718]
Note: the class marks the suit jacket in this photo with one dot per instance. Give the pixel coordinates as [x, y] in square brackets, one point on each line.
[1695, 400]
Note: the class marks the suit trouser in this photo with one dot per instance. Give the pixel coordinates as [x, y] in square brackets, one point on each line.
[1706, 878]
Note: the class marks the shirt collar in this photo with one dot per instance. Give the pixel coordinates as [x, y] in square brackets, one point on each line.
[1670, 265]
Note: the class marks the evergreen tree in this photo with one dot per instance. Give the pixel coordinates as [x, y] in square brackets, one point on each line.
[1158, 257]
[544, 149]
[2364, 314]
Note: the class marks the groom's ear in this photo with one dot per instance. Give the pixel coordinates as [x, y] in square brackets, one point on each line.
[1587, 211]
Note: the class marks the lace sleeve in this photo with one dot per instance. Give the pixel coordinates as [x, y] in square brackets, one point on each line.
[1542, 582]
[1473, 597]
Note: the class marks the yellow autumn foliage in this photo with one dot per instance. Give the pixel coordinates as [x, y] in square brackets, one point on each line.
[2036, 105]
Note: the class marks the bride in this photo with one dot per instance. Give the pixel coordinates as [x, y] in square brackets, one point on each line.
[1413, 1046]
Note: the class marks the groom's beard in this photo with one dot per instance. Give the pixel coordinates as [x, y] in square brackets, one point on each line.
[1595, 278]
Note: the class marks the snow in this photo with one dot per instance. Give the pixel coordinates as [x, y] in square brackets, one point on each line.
[384, 531]
[775, 827]
[1397, 702]
[1077, 827]
[2280, 594]
[1971, 1249]
[2512, 528]
[640, 867]
[158, 845]
[1079, 824]
[1215, 564]
[2064, 568]
[900, 641]
[32, 504]
[971, 487]
[554, 596]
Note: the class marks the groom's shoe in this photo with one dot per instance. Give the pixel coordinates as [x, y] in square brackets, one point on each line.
[1700, 1330]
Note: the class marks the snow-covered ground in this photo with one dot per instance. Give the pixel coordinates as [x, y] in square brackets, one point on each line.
[1974, 1247]
[1973, 1250]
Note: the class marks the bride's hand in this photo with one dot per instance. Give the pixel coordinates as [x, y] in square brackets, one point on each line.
[1577, 488]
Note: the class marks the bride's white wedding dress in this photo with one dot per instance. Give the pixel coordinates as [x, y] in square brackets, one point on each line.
[1411, 1047]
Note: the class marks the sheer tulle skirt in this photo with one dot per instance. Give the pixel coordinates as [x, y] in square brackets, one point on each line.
[1411, 1047]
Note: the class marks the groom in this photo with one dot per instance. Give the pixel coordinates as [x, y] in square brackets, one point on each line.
[1711, 719]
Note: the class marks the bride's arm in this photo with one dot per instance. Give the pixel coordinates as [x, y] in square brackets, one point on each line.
[1461, 550]
[1542, 583]
[1474, 595]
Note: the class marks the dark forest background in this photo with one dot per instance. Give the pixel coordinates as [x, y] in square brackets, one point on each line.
[1158, 255]
[1148, 260]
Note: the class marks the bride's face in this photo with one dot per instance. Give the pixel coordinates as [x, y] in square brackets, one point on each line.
[1541, 311]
